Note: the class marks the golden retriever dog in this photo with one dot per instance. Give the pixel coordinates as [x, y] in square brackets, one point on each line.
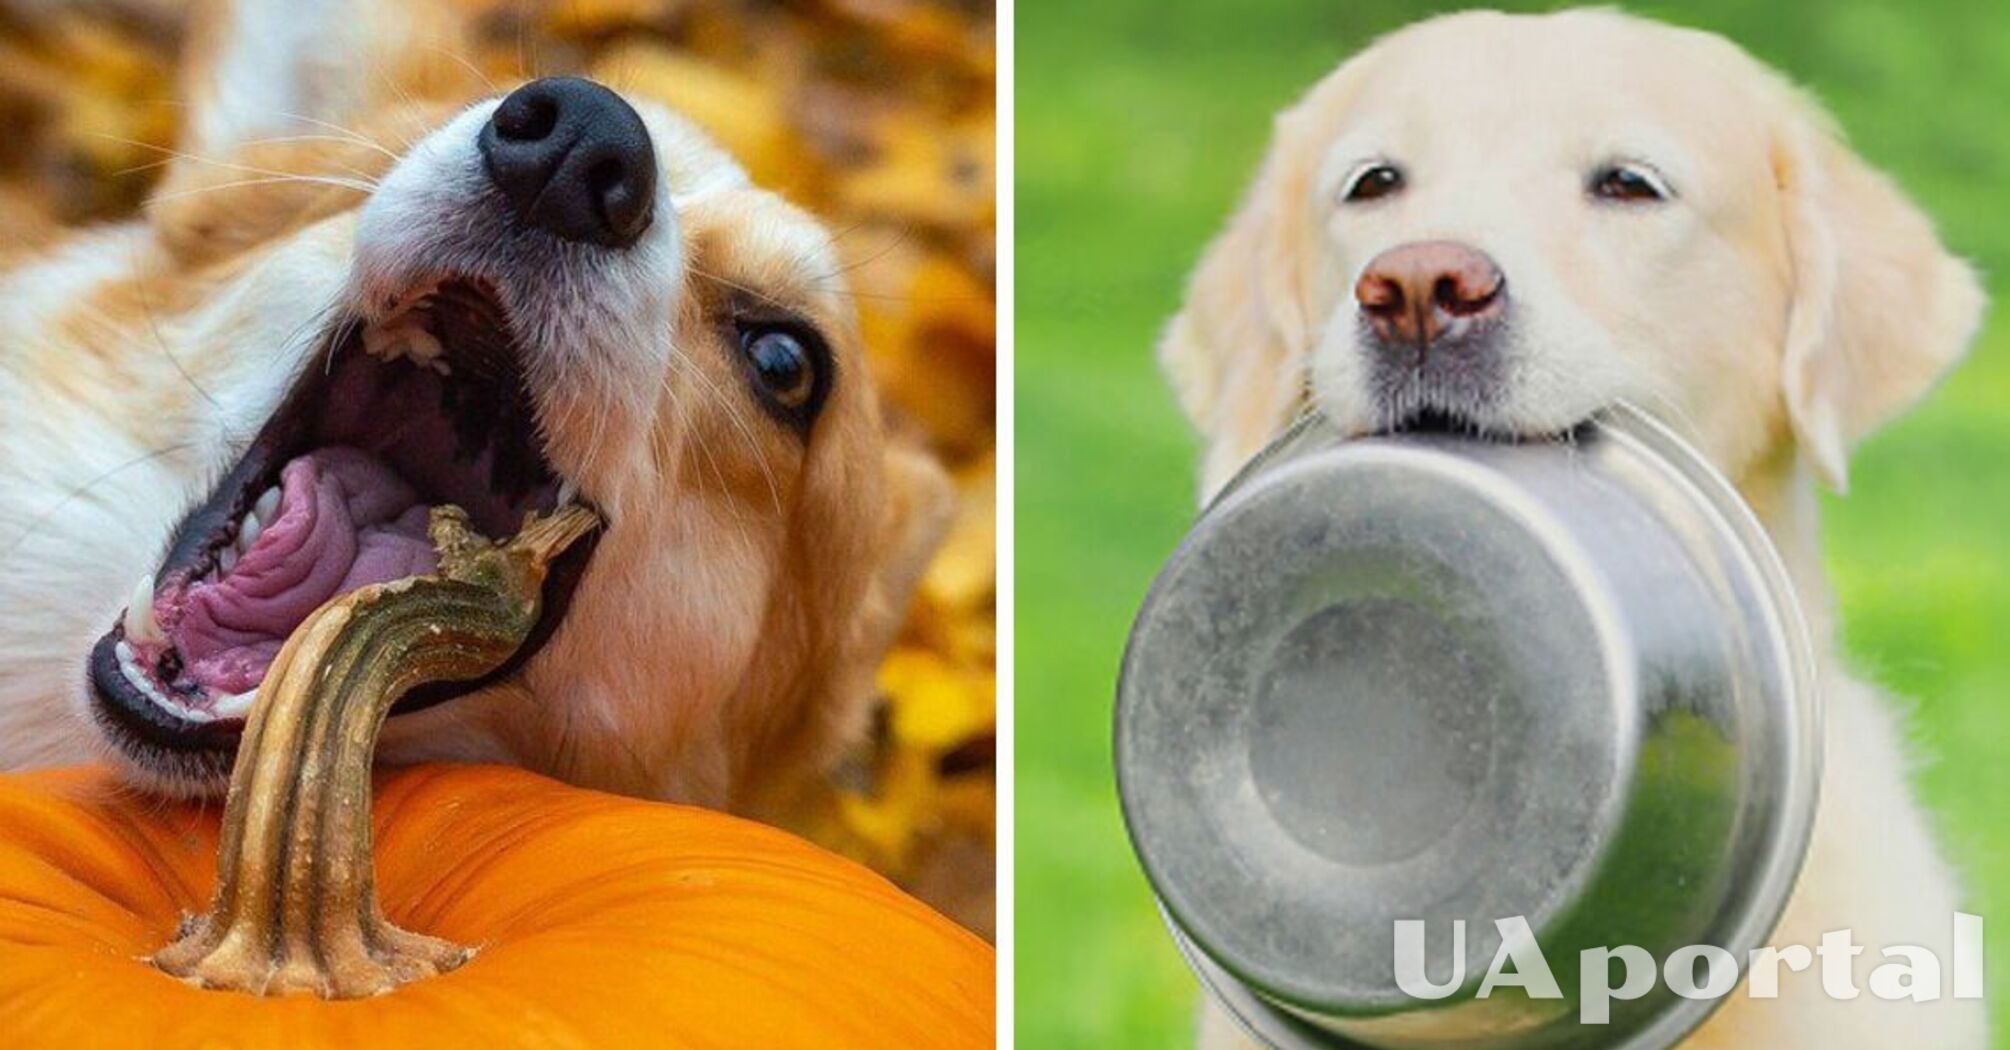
[1504, 223]
[370, 283]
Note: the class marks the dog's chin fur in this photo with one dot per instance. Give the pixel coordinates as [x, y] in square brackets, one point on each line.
[1782, 304]
[721, 643]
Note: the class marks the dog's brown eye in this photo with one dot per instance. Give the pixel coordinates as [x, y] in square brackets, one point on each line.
[1373, 183]
[782, 365]
[1624, 182]
[788, 365]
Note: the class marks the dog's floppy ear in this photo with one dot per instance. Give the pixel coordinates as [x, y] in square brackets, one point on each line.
[919, 505]
[1880, 311]
[1236, 350]
[853, 599]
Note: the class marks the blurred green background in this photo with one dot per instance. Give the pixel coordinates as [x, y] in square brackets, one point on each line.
[1138, 122]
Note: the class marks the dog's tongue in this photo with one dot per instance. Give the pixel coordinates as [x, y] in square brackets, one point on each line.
[345, 519]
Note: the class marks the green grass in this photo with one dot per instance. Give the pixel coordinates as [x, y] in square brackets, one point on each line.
[1138, 122]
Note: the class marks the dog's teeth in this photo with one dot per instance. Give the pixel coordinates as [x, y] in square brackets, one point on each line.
[140, 625]
[129, 667]
[567, 492]
[267, 506]
[133, 676]
[233, 705]
[247, 533]
[227, 560]
[400, 338]
[420, 345]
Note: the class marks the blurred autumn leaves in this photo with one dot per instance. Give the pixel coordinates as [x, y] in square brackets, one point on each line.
[876, 114]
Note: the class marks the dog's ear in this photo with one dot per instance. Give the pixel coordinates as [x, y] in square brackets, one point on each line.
[1236, 351]
[920, 502]
[292, 110]
[917, 501]
[1880, 309]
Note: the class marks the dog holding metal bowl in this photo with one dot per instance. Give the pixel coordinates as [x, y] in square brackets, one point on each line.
[1564, 319]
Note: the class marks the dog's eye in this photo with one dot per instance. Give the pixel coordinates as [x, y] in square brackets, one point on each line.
[786, 363]
[1372, 182]
[782, 365]
[1628, 183]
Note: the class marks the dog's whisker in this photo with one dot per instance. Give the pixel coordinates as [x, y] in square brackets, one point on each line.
[153, 326]
[464, 63]
[341, 132]
[762, 296]
[200, 190]
[275, 141]
[664, 452]
[365, 182]
[901, 236]
[731, 406]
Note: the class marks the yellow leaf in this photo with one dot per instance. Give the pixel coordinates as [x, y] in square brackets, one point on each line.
[936, 704]
[927, 172]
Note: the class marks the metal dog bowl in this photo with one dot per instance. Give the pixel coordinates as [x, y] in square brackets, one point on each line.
[1425, 677]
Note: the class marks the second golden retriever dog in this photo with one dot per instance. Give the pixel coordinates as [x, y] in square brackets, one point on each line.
[344, 306]
[1504, 223]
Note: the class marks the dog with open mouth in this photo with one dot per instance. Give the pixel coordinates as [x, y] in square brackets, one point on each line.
[1501, 224]
[368, 286]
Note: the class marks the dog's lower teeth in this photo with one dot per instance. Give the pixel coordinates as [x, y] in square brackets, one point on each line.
[233, 705]
[227, 560]
[129, 668]
[247, 533]
[567, 492]
[140, 625]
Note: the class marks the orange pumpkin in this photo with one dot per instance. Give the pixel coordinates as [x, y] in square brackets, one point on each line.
[598, 922]
[502, 909]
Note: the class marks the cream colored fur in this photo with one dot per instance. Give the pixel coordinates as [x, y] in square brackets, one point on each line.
[1784, 304]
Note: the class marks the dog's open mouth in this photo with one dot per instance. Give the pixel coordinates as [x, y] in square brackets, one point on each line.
[427, 407]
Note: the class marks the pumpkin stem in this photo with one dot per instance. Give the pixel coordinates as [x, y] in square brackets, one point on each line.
[296, 905]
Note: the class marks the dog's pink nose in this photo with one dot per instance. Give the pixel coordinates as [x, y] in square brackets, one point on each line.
[1418, 293]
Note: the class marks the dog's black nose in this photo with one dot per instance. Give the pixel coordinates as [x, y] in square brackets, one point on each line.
[573, 159]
